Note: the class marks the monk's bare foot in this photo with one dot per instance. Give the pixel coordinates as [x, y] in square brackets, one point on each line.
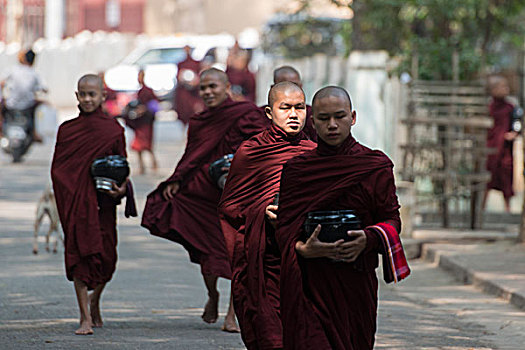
[96, 318]
[211, 310]
[85, 328]
[230, 325]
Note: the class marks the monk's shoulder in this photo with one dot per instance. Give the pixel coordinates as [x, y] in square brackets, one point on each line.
[247, 107]
[110, 123]
[375, 153]
[244, 151]
[66, 126]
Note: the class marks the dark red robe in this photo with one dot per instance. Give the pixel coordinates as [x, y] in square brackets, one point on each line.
[326, 304]
[252, 184]
[187, 99]
[242, 83]
[191, 218]
[143, 125]
[500, 164]
[88, 217]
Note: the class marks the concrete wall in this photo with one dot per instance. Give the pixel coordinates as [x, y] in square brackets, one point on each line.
[164, 17]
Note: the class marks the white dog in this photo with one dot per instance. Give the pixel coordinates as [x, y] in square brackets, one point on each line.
[47, 206]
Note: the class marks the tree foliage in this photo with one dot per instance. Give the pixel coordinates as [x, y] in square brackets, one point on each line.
[476, 29]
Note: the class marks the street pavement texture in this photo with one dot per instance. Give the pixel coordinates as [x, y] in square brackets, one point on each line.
[156, 296]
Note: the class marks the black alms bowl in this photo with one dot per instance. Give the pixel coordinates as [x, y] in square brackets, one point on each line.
[109, 170]
[334, 224]
[217, 174]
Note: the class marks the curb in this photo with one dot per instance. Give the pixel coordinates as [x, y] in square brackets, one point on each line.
[468, 276]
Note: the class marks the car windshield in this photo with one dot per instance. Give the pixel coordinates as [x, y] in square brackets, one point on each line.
[160, 56]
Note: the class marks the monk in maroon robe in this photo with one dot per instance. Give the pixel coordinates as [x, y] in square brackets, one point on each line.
[329, 290]
[110, 104]
[187, 99]
[183, 208]
[501, 138]
[241, 79]
[289, 73]
[248, 215]
[142, 123]
[88, 217]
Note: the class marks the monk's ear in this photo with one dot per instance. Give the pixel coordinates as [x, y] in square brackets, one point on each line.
[354, 118]
[104, 94]
[76, 94]
[268, 111]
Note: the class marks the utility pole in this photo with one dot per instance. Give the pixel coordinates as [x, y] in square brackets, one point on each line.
[13, 12]
[54, 20]
[521, 233]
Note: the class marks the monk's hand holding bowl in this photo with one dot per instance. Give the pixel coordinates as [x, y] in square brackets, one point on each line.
[270, 212]
[510, 136]
[170, 190]
[314, 248]
[349, 251]
[118, 191]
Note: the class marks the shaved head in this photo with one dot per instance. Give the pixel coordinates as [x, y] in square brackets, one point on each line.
[221, 75]
[281, 87]
[91, 79]
[286, 73]
[331, 91]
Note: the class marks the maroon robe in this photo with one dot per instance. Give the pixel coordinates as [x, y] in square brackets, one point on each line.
[191, 218]
[88, 217]
[242, 83]
[143, 125]
[187, 99]
[500, 164]
[252, 184]
[326, 304]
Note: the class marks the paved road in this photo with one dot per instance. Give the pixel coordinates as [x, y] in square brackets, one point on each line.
[156, 296]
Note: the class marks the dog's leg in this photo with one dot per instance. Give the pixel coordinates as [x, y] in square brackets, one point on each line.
[38, 221]
[53, 228]
[48, 235]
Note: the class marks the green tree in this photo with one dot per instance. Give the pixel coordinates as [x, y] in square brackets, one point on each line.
[434, 29]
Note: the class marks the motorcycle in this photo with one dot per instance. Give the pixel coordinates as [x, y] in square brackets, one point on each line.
[18, 133]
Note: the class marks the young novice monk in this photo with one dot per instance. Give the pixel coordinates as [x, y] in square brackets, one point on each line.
[88, 216]
[289, 73]
[329, 290]
[247, 213]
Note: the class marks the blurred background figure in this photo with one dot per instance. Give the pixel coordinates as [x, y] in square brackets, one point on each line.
[501, 138]
[139, 115]
[20, 85]
[242, 80]
[187, 99]
[110, 105]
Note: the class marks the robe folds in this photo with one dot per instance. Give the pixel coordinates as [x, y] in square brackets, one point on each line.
[500, 164]
[327, 304]
[252, 184]
[187, 99]
[191, 217]
[88, 217]
[143, 125]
